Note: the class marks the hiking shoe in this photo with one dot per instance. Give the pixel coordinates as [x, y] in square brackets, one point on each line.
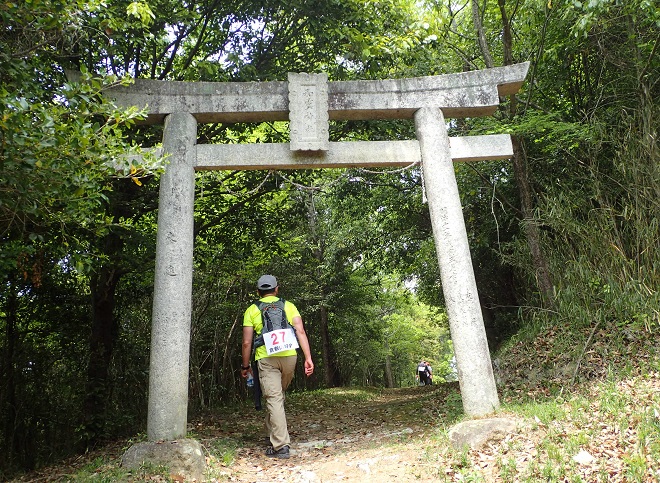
[283, 452]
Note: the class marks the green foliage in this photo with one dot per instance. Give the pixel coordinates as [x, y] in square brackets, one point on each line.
[141, 11]
[223, 450]
[102, 470]
[61, 142]
[415, 332]
[593, 167]
[63, 150]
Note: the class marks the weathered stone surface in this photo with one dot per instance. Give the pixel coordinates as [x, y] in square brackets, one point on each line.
[183, 457]
[308, 112]
[366, 154]
[172, 302]
[468, 335]
[476, 433]
[464, 94]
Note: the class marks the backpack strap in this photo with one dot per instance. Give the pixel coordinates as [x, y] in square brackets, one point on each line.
[259, 339]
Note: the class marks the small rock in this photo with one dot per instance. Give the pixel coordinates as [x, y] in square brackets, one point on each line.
[364, 467]
[476, 433]
[402, 432]
[308, 477]
[583, 458]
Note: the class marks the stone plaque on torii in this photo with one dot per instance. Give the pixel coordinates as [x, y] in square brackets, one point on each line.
[309, 102]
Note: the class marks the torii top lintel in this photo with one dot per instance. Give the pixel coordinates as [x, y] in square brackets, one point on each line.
[465, 94]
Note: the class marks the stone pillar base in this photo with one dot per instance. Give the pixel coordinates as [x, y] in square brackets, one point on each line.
[184, 457]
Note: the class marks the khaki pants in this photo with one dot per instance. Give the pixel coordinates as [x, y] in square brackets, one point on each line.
[275, 375]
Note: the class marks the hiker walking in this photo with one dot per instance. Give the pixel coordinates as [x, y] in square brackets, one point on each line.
[423, 374]
[430, 373]
[279, 330]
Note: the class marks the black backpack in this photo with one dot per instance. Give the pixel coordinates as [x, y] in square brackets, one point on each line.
[273, 317]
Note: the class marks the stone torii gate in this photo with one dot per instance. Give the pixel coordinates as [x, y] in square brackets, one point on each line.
[309, 101]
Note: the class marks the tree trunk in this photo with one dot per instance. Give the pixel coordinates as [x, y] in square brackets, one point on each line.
[7, 380]
[522, 175]
[481, 36]
[101, 344]
[195, 376]
[332, 374]
[530, 225]
[389, 379]
[227, 371]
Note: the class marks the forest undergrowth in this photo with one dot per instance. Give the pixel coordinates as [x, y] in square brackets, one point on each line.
[587, 407]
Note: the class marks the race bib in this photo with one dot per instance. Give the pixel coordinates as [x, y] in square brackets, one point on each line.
[280, 340]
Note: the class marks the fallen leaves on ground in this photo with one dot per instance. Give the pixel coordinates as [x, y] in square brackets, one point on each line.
[606, 431]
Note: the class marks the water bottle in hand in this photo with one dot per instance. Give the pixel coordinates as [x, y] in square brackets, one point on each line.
[250, 380]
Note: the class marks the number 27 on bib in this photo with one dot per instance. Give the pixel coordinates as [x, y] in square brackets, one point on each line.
[280, 340]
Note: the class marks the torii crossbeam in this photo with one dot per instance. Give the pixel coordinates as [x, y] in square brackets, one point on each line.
[309, 101]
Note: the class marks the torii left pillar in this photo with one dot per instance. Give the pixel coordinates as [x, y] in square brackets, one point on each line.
[167, 418]
[172, 305]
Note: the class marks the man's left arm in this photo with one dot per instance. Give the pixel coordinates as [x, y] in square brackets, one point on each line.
[304, 344]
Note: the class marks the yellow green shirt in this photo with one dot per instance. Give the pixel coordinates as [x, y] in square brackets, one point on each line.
[252, 318]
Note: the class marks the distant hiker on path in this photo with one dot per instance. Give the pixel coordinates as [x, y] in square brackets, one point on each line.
[423, 373]
[279, 331]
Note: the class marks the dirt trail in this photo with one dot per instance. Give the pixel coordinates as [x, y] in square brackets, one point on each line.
[382, 439]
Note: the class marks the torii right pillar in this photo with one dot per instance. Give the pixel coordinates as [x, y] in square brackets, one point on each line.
[468, 334]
